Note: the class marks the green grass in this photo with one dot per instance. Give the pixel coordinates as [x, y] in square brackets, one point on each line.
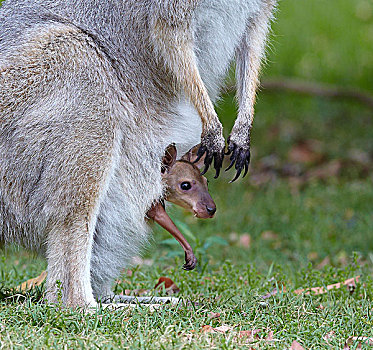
[313, 234]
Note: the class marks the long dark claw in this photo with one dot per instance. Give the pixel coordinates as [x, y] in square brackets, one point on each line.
[201, 151]
[233, 158]
[218, 162]
[190, 261]
[237, 175]
[240, 158]
[207, 162]
[230, 165]
[187, 267]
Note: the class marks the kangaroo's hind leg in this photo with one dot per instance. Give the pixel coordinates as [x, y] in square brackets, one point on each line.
[59, 138]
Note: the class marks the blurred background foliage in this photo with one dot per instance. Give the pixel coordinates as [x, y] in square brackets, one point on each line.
[309, 193]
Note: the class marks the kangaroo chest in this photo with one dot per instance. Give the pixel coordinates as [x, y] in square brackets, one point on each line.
[219, 28]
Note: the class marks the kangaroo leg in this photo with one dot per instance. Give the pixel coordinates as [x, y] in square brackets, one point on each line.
[173, 37]
[58, 142]
[249, 56]
[68, 255]
[159, 215]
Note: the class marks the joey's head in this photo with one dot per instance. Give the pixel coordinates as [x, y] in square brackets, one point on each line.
[186, 186]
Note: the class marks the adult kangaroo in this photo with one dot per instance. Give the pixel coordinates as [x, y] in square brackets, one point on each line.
[91, 94]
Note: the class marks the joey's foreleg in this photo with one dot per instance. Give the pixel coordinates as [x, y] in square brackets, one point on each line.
[248, 59]
[159, 215]
[173, 39]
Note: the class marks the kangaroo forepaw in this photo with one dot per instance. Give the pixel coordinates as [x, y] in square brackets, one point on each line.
[190, 261]
[213, 147]
[239, 157]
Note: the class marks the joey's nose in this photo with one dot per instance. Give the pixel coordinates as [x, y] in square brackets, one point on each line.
[211, 210]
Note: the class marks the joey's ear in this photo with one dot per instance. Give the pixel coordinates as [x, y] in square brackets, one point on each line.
[169, 158]
[191, 156]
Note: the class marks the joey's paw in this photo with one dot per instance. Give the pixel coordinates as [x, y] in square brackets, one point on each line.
[239, 156]
[213, 148]
[190, 261]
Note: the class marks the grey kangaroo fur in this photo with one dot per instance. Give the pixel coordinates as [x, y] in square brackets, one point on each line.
[91, 94]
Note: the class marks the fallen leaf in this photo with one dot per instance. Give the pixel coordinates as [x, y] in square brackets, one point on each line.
[270, 336]
[169, 285]
[214, 315]
[31, 283]
[269, 235]
[329, 336]
[330, 169]
[296, 346]
[207, 329]
[306, 152]
[245, 240]
[223, 329]
[351, 282]
[250, 334]
[323, 263]
[361, 340]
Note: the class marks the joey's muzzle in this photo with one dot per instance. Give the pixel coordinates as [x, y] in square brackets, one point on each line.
[205, 209]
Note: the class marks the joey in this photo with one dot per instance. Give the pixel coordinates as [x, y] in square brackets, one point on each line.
[186, 187]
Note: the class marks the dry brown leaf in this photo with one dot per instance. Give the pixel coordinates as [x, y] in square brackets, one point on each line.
[251, 334]
[305, 152]
[223, 329]
[207, 329]
[169, 285]
[323, 263]
[214, 315]
[296, 346]
[350, 283]
[329, 336]
[31, 283]
[270, 336]
[269, 235]
[361, 340]
[325, 171]
[245, 240]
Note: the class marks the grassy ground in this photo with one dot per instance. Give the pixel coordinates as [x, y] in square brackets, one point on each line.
[304, 218]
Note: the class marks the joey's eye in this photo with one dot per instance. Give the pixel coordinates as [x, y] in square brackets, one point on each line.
[185, 186]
